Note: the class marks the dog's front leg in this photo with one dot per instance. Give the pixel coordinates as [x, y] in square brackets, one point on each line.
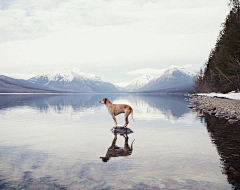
[114, 119]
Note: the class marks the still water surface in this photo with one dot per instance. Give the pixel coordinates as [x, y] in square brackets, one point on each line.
[56, 141]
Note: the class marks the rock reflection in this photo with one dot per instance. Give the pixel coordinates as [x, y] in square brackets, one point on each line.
[226, 137]
[116, 151]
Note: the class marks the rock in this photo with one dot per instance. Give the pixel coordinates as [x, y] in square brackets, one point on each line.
[219, 114]
[213, 112]
[226, 117]
[190, 106]
[134, 180]
[233, 117]
[200, 115]
[211, 108]
[82, 180]
[107, 186]
[232, 121]
[219, 107]
[173, 186]
[231, 168]
[121, 130]
[162, 186]
[93, 186]
[13, 187]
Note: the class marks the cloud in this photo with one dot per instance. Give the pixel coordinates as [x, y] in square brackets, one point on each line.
[146, 71]
[31, 19]
[121, 35]
[151, 71]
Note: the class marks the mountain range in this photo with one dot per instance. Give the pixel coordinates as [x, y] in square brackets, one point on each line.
[11, 85]
[173, 80]
[74, 81]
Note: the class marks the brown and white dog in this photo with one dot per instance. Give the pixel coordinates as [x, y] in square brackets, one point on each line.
[115, 109]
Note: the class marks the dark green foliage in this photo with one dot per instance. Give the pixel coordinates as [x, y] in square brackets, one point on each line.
[199, 83]
[222, 70]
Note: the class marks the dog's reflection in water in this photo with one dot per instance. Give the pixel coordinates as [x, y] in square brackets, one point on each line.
[115, 151]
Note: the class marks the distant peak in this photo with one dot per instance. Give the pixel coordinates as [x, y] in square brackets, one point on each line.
[76, 70]
[147, 76]
[69, 75]
[171, 70]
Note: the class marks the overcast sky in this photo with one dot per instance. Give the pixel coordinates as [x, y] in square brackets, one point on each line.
[113, 39]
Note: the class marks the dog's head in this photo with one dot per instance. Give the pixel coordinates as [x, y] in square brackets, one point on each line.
[105, 159]
[103, 101]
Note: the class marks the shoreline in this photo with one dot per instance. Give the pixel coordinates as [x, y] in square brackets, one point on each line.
[219, 107]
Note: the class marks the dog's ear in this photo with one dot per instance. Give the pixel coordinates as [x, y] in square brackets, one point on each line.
[105, 100]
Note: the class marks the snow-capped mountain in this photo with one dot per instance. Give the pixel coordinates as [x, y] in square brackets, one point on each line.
[74, 81]
[139, 82]
[11, 85]
[173, 80]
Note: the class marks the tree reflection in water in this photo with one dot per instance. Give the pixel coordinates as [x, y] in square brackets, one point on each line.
[226, 137]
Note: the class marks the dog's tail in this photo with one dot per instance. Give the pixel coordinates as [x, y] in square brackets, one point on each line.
[132, 115]
[132, 145]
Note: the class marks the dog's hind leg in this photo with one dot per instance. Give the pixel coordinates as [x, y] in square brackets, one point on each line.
[126, 118]
[114, 119]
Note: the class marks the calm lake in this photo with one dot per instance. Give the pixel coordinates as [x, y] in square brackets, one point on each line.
[51, 141]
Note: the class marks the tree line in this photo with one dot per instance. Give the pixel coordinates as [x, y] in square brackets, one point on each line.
[221, 72]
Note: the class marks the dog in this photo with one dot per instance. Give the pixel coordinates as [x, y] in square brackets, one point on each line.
[115, 109]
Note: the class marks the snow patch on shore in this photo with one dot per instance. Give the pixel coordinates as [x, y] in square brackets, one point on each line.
[230, 95]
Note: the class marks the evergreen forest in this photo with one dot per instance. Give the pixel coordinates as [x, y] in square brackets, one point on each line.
[221, 72]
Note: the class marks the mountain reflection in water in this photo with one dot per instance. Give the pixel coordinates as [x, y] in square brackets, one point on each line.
[44, 102]
[226, 137]
[171, 106]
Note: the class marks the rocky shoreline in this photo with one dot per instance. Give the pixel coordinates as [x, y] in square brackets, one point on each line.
[218, 107]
